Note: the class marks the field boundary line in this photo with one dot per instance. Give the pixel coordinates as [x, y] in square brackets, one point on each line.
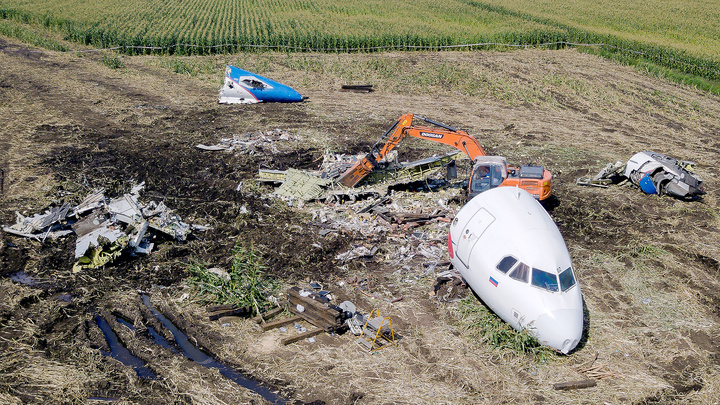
[371, 48]
[325, 50]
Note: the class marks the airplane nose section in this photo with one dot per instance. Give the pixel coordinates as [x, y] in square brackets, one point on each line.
[561, 329]
[291, 95]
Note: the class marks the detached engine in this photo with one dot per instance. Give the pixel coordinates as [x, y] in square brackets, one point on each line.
[659, 174]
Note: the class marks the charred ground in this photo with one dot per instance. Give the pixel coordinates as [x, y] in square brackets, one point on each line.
[648, 266]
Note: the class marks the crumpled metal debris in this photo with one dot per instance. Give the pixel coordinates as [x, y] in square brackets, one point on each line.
[40, 226]
[105, 227]
[355, 324]
[449, 286]
[610, 174]
[220, 273]
[360, 251]
[653, 173]
[254, 142]
[301, 185]
[334, 164]
[659, 174]
[402, 227]
[415, 249]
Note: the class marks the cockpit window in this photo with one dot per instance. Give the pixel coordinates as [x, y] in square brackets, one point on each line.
[545, 280]
[255, 84]
[506, 263]
[567, 279]
[521, 272]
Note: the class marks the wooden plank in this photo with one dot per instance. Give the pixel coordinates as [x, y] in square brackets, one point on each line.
[281, 322]
[315, 308]
[316, 312]
[301, 336]
[222, 307]
[231, 312]
[572, 385]
[318, 319]
[267, 315]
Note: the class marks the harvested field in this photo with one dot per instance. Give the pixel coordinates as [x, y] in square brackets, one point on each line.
[648, 266]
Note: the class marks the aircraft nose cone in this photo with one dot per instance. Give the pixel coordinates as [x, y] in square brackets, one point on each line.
[290, 95]
[561, 329]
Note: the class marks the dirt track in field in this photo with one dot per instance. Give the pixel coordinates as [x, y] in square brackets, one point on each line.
[648, 266]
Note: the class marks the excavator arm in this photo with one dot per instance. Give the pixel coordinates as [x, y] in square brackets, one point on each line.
[488, 171]
[402, 128]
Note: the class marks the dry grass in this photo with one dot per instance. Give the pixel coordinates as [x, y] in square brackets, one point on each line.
[28, 374]
[431, 365]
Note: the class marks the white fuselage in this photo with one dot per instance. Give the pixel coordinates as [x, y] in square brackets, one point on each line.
[236, 92]
[513, 256]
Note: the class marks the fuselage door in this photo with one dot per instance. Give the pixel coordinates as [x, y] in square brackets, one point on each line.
[469, 236]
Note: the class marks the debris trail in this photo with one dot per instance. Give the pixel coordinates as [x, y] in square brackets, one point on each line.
[105, 227]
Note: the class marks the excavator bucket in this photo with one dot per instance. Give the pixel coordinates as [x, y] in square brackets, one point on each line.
[356, 173]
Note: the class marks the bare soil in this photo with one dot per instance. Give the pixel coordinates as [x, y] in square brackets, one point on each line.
[648, 266]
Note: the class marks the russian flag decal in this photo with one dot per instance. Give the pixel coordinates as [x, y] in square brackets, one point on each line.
[493, 282]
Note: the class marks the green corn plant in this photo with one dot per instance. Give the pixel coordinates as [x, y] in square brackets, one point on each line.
[246, 284]
[479, 322]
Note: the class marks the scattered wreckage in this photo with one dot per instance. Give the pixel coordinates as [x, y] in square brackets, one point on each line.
[533, 288]
[653, 173]
[315, 306]
[243, 87]
[105, 227]
[323, 184]
[343, 172]
[268, 142]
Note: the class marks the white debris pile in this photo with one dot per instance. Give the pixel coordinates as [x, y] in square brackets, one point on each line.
[40, 226]
[334, 165]
[401, 211]
[105, 227]
[357, 251]
[342, 217]
[408, 229]
[260, 142]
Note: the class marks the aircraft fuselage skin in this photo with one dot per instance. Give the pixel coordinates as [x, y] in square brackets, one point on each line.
[511, 253]
[243, 87]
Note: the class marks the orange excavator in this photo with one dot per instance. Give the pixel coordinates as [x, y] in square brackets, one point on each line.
[487, 171]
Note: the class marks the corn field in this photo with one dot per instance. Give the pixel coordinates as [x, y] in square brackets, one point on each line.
[679, 35]
[296, 24]
[692, 26]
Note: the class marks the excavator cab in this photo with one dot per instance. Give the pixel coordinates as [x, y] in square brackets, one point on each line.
[488, 172]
